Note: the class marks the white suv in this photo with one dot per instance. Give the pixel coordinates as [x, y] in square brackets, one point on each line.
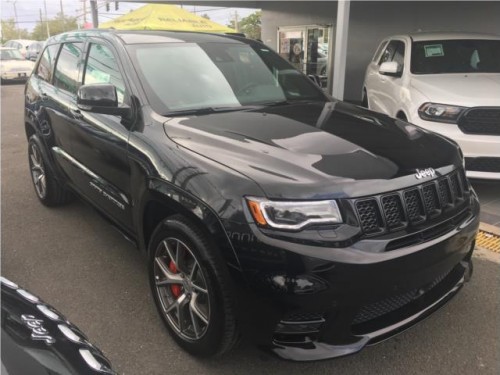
[448, 83]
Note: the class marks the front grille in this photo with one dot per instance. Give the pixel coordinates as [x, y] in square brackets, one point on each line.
[369, 214]
[413, 206]
[393, 303]
[393, 209]
[483, 164]
[481, 121]
[303, 317]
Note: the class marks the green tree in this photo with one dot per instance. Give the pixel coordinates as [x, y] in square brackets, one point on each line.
[10, 31]
[57, 25]
[250, 25]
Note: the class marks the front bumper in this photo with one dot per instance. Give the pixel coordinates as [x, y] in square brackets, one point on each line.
[309, 303]
[472, 145]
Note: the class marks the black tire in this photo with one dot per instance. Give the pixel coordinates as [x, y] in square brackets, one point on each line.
[47, 188]
[401, 116]
[364, 102]
[220, 333]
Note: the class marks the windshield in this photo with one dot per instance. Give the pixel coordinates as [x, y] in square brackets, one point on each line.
[455, 56]
[10, 54]
[186, 76]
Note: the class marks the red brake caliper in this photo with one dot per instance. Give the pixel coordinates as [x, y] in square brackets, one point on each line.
[176, 289]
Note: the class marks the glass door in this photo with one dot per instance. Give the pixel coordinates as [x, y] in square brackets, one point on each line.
[307, 48]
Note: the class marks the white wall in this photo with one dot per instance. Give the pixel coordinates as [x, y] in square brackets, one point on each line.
[371, 21]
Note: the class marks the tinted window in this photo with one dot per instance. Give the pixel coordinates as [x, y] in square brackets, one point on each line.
[102, 68]
[188, 76]
[455, 56]
[67, 67]
[44, 70]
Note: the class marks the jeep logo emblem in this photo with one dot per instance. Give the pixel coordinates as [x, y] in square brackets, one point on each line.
[427, 172]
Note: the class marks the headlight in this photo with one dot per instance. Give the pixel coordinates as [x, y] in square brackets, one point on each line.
[293, 215]
[440, 112]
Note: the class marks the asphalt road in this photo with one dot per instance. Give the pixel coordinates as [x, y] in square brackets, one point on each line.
[74, 260]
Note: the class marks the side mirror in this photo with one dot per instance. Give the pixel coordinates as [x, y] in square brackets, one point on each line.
[390, 68]
[100, 98]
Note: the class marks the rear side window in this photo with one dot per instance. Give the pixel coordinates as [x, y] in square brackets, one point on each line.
[102, 67]
[67, 67]
[49, 55]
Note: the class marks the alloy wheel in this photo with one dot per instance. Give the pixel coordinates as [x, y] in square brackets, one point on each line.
[38, 171]
[182, 289]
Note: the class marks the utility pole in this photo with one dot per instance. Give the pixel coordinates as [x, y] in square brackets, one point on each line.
[236, 21]
[62, 15]
[84, 12]
[17, 23]
[95, 16]
[46, 19]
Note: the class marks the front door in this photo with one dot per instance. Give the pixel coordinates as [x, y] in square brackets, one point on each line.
[99, 143]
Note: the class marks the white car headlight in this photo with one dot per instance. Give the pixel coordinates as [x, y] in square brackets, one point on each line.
[440, 112]
[293, 215]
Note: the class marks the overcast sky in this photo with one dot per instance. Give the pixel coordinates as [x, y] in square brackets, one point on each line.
[28, 11]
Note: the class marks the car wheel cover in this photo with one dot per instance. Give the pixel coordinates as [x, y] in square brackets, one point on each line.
[187, 311]
[38, 171]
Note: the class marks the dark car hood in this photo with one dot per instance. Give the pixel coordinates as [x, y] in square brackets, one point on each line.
[314, 149]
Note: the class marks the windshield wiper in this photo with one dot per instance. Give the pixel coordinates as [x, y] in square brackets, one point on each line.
[205, 111]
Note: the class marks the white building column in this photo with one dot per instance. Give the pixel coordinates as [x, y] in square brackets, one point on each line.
[340, 50]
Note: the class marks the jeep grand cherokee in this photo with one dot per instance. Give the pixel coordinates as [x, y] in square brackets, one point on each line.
[265, 207]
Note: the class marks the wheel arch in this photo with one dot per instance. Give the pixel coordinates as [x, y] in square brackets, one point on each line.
[162, 199]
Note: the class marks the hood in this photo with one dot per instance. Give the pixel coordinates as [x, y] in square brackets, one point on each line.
[312, 149]
[468, 90]
[16, 66]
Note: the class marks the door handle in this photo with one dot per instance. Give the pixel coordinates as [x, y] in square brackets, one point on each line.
[76, 113]
[44, 96]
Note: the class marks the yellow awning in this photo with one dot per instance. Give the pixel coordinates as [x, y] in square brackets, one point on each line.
[164, 17]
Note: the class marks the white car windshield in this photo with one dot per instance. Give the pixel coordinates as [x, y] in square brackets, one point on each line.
[10, 54]
[455, 56]
[189, 76]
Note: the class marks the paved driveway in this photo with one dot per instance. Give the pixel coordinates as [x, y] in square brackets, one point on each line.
[74, 260]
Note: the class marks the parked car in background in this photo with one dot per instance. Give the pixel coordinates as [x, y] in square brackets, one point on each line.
[13, 66]
[33, 50]
[20, 44]
[265, 208]
[38, 339]
[448, 83]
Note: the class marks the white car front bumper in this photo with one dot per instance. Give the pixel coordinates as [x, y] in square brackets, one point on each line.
[472, 145]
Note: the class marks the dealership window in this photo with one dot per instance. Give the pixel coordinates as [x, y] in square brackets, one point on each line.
[67, 67]
[46, 63]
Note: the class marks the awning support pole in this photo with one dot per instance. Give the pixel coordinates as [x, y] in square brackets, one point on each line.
[340, 51]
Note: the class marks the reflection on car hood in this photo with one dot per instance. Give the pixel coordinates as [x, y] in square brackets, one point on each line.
[468, 90]
[317, 145]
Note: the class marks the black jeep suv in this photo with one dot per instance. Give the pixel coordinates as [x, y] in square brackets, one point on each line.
[266, 208]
